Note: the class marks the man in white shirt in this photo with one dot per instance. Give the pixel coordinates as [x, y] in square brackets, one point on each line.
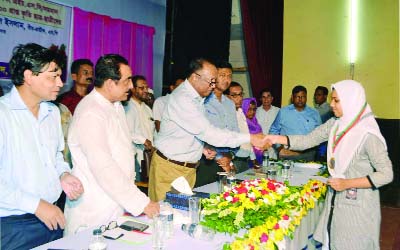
[102, 152]
[266, 113]
[140, 120]
[245, 152]
[160, 102]
[185, 128]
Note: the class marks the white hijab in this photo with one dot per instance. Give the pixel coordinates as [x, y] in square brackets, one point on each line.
[352, 99]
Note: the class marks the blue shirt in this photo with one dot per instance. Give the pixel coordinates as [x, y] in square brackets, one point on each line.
[31, 158]
[289, 121]
[221, 115]
[184, 127]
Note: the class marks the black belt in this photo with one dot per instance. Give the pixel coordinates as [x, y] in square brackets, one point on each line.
[183, 164]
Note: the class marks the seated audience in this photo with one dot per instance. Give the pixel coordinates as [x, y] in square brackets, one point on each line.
[266, 112]
[249, 107]
[32, 169]
[82, 75]
[102, 152]
[321, 105]
[296, 119]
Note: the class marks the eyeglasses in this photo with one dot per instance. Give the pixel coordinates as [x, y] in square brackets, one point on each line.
[211, 82]
[236, 95]
[110, 226]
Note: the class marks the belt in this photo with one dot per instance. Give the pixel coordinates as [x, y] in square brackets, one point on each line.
[183, 164]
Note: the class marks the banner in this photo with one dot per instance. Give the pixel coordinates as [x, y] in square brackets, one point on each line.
[32, 21]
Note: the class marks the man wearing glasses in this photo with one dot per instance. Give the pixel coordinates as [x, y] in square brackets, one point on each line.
[221, 113]
[102, 152]
[185, 129]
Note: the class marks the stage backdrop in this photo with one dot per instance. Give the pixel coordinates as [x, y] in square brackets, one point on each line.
[37, 21]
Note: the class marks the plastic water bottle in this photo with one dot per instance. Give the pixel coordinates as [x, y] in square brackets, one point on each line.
[265, 163]
[167, 211]
[198, 231]
[98, 242]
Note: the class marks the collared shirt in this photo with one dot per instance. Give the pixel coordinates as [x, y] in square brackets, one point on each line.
[289, 121]
[324, 111]
[184, 127]
[103, 159]
[266, 118]
[159, 106]
[246, 149]
[221, 114]
[140, 121]
[31, 158]
[70, 99]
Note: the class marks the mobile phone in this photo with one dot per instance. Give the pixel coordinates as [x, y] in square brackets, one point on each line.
[134, 225]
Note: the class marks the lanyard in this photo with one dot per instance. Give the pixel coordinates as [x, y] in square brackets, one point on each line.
[347, 129]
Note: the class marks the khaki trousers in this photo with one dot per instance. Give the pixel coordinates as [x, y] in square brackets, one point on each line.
[163, 173]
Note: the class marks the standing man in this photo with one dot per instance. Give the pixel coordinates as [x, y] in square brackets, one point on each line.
[82, 75]
[140, 120]
[266, 113]
[296, 119]
[221, 113]
[102, 151]
[245, 152]
[32, 169]
[321, 105]
[185, 128]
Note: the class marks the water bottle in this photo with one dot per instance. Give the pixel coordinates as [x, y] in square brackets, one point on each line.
[167, 211]
[198, 231]
[98, 242]
[265, 162]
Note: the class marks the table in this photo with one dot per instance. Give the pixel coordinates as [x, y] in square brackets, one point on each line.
[302, 236]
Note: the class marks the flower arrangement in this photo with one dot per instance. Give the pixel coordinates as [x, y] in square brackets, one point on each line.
[267, 209]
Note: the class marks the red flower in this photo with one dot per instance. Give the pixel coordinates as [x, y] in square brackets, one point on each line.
[226, 194]
[276, 226]
[241, 190]
[235, 199]
[264, 238]
[252, 199]
[251, 247]
[264, 192]
[285, 217]
[271, 186]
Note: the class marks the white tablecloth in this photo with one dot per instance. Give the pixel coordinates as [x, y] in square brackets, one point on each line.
[302, 236]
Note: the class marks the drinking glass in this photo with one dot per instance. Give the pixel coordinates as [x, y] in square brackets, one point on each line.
[194, 209]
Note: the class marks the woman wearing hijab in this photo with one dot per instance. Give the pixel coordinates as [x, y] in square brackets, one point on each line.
[358, 163]
[249, 107]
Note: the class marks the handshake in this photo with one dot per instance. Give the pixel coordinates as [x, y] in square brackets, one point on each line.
[264, 142]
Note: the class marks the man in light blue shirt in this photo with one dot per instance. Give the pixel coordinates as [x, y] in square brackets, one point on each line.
[185, 128]
[221, 113]
[32, 169]
[296, 119]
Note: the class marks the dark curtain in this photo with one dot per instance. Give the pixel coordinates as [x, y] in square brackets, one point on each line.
[263, 36]
[195, 28]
